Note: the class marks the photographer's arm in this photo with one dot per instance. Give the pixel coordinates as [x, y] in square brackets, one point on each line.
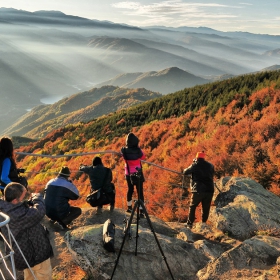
[84, 168]
[189, 170]
[20, 170]
[6, 166]
[36, 212]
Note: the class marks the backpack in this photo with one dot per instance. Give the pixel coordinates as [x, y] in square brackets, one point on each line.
[108, 235]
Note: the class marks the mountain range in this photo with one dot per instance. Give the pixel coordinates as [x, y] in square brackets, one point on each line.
[51, 54]
[164, 81]
[80, 107]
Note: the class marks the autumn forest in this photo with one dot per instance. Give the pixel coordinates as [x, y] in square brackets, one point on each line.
[236, 122]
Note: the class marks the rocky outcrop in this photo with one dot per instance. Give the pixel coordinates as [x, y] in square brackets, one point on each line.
[244, 208]
[254, 257]
[240, 241]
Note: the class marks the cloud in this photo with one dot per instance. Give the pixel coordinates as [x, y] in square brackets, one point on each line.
[248, 4]
[176, 12]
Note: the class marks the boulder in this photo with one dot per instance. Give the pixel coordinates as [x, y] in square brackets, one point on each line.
[255, 257]
[144, 260]
[243, 208]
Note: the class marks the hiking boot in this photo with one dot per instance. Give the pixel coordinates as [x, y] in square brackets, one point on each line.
[188, 225]
[111, 207]
[129, 209]
[99, 211]
[62, 225]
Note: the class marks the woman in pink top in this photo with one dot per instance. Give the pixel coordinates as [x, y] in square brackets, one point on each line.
[133, 155]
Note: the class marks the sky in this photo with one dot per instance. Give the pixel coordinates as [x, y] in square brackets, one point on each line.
[255, 16]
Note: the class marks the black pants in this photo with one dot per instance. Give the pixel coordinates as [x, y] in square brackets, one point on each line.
[74, 213]
[203, 198]
[131, 189]
[110, 199]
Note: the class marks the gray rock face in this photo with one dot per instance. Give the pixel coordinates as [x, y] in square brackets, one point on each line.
[240, 241]
[244, 207]
[142, 262]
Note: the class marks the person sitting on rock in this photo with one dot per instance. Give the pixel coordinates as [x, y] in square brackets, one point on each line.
[58, 192]
[202, 187]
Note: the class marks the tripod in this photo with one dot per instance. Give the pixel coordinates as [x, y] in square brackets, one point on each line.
[139, 203]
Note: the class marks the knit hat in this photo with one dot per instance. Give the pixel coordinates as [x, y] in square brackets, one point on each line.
[200, 155]
[64, 171]
[96, 161]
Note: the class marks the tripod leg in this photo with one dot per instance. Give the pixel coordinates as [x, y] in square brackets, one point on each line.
[153, 231]
[137, 226]
[125, 234]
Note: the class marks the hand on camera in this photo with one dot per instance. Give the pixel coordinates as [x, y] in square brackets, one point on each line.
[35, 195]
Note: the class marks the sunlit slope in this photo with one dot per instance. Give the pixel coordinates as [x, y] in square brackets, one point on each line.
[81, 107]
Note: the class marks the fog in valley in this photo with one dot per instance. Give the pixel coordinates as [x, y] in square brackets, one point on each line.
[48, 55]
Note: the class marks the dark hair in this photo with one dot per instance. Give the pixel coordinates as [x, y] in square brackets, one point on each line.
[13, 191]
[96, 161]
[7, 149]
[132, 140]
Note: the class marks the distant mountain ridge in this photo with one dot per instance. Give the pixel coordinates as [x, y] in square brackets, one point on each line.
[81, 107]
[55, 18]
[164, 81]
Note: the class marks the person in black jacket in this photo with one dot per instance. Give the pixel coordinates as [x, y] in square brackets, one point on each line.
[101, 177]
[31, 237]
[202, 187]
[58, 192]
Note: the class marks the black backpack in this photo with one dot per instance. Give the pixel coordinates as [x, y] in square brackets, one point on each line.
[108, 236]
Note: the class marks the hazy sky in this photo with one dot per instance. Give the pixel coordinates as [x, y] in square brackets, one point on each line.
[256, 16]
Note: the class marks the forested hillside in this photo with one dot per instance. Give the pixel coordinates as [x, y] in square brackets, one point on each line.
[236, 122]
[83, 106]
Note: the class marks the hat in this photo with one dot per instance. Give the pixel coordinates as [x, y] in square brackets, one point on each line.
[96, 161]
[200, 155]
[64, 171]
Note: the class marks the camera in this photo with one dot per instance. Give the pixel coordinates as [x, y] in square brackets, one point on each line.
[28, 203]
[20, 170]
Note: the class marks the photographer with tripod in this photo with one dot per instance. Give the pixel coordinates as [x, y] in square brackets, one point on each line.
[133, 155]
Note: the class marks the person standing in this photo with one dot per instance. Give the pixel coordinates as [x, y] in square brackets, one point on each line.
[58, 192]
[202, 187]
[132, 154]
[101, 178]
[8, 168]
[31, 237]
